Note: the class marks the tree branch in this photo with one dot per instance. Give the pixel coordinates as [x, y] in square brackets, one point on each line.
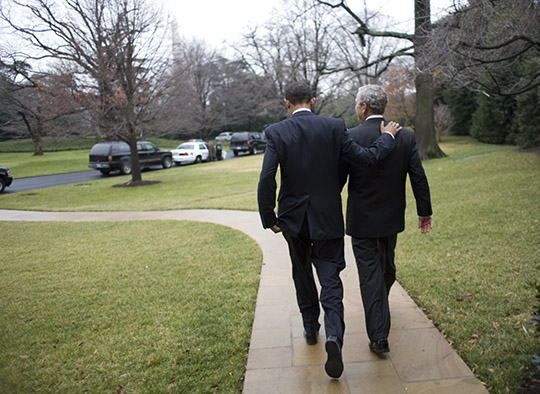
[531, 42]
[389, 58]
[363, 29]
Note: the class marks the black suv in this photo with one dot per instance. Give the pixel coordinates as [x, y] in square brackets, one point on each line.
[248, 141]
[5, 178]
[115, 155]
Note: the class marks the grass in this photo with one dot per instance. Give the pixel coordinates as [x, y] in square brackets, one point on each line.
[24, 165]
[143, 307]
[468, 274]
[59, 156]
[49, 144]
[229, 184]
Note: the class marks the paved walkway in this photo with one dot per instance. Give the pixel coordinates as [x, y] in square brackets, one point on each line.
[420, 360]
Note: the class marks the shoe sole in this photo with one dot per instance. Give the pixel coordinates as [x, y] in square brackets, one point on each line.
[378, 351]
[334, 364]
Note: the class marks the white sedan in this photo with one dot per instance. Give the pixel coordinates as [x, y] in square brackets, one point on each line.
[226, 136]
[190, 152]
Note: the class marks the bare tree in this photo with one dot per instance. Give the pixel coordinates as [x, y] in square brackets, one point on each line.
[479, 43]
[197, 67]
[38, 99]
[114, 51]
[239, 98]
[299, 43]
[417, 47]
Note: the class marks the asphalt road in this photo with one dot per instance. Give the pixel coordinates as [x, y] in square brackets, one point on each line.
[41, 182]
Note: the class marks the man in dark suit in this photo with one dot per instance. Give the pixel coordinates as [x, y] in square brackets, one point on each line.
[308, 149]
[376, 210]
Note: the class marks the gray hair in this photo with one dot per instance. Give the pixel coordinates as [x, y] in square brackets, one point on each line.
[374, 96]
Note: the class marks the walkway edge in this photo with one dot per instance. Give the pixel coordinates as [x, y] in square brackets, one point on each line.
[279, 361]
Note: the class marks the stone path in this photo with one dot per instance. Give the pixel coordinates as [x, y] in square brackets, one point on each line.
[420, 360]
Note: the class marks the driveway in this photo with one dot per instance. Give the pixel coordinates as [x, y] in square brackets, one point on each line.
[44, 181]
[41, 182]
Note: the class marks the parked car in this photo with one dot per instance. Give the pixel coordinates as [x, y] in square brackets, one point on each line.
[248, 141]
[193, 151]
[225, 136]
[115, 155]
[5, 178]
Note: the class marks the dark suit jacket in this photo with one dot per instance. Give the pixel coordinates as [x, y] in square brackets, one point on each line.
[376, 201]
[308, 149]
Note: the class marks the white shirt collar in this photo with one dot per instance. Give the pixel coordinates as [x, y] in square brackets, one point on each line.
[375, 117]
[301, 109]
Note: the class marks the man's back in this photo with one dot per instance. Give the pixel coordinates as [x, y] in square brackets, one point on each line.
[376, 202]
[308, 148]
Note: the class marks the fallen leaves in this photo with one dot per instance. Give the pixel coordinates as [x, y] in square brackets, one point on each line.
[474, 338]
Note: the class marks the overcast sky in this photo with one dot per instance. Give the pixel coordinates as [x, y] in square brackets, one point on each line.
[218, 20]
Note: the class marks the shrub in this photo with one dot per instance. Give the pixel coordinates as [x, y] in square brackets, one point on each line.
[492, 120]
[525, 132]
[462, 103]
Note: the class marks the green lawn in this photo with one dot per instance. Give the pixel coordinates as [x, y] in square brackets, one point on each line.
[139, 307]
[59, 156]
[229, 184]
[468, 273]
[49, 144]
[24, 164]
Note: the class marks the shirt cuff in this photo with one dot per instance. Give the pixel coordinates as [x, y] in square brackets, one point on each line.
[392, 135]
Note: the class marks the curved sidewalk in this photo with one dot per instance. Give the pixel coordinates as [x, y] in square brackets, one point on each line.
[420, 360]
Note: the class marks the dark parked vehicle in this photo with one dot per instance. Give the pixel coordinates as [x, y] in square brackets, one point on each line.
[5, 178]
[248, 141]
[115, 155]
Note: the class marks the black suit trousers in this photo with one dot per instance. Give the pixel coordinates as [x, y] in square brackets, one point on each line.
[377, 273]
[328, 258]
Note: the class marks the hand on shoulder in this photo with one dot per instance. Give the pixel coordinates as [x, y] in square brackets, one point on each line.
[392, 128]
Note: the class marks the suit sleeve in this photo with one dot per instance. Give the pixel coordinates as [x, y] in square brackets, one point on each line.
[419, 183]
[344, 168]
[367, 157]
[266, 191]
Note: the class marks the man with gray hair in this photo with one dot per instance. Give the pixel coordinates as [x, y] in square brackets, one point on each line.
[376, 210]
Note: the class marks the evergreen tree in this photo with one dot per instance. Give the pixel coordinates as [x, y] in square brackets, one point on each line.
[462, 103]
[492, 120]
[525, 131]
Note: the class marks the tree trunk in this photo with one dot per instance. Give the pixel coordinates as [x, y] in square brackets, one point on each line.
[36, 136]
[426, 138]
[135, 165]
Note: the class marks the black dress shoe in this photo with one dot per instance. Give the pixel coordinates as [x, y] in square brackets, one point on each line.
[334, 364]
[379, 346]
[311, 339]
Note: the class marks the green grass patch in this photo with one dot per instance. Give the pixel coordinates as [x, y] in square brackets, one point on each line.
[49, 144]
[469, 274]
[24, 165]
[135, 307]
[59, 156]
[229, 184]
